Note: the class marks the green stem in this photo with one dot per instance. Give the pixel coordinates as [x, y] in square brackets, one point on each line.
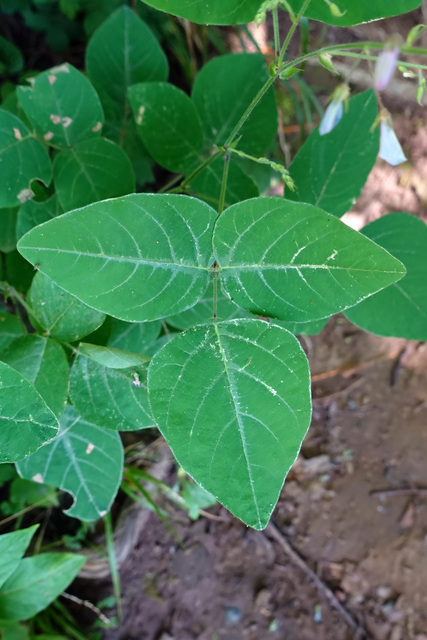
[170, 184]
[215, 294]
[112, 558]
[276, 34]
[200, 168]
[224, 184]
[9, 290]
[292, 31]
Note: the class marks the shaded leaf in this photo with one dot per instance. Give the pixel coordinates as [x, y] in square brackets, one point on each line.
[207, 185]
[112, 358]
[85, 460]
[136, 258]
[295, 262]
[8, 218]
[133, 336]
[33, 213]
[10, 328]
[12, 547]
[233, 402]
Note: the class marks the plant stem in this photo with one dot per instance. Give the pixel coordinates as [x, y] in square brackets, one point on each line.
[224, 183]
[276, 34]
[291, 32]
[112, 558]
[200, 168]
[215, 293]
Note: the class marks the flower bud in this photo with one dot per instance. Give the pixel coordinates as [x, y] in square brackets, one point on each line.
[335, 110]
[386, 65]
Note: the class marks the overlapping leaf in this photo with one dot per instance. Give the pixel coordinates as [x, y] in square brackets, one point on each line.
[33, 213]
[62, 106]
[10, 328]
[111, 398]
[233, 402]
[94, 170]
[222, 91]
[22, 159]
[12, 547]
[168, 124]
[400, 310]
[355, 12]
[133, 336]
[43, 363]
[8, 218]
[230, 12]
[330, 171]
[136, 258]
[85, 460]
[26, 426]
[295, 262]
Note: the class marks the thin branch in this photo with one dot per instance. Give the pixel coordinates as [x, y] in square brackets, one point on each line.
[88, 605]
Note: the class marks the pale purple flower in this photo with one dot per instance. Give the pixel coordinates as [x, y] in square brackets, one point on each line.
[390, 147]
[385, 67]
[335, 110]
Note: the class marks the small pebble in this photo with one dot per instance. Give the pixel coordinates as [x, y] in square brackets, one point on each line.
[233, 615]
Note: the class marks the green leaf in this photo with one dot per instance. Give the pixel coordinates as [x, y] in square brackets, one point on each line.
[400, 310]
[123, 132]
[36, 583]
[12, 548]
[93, 170]
[33, 213]
[14, 631]
[112, 398]
[10, 328]
[44, 364]
[233, 402]
[229, 12]
[294, 262]
[107, 253]
[26, 422]
[8, 218]
[93, 469]
[17, 271]
[202, 312]
[222, 91]
[122, 52]
[168, 124]
[11, 59]
[62, 106]
[59, 313]
[207, 185]
[355, 12]
[330, 171]
[22, 159]
[133, 336]
[112, 358]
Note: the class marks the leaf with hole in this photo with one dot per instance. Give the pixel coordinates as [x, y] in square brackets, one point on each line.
[59, 313]
[294, 262]
[94, 170]
[23, 159]
[62, 106]
[24, 428]
[233, 402]
[137, 258]
[330, 171]
[222, 91]
[85, 460]
[43, 363]
[400, 310]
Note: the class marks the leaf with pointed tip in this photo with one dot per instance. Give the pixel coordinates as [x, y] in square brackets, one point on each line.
[96, 169]
[355, 12]
[330, 171]
[12, 547]
[26, 422]
[43, 363]
[62, 106]
[33, 213]
[59, 313]
[168, 123]
[137, 258]
[36, 583]
[134, 336]
[10, 328]
[122, 52]
[85, 460]
[233, 402]
[400, 310]
[112, 398]
[202, 12]
[22, 159]
[294, 262]
[8, 218]
[222, 91]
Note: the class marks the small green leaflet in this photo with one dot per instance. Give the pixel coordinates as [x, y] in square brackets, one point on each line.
[233, 402]
[400, 310]
[330, 171]
[12, 547]
[25, 428]
[23, 159]
[137, 258]
[294, 262]
[85, 460]
[62, 105]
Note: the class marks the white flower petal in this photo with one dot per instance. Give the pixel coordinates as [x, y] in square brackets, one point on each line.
[333, 115]
[390, 147]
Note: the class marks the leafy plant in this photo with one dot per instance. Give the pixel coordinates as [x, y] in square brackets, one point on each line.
[188, 299]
